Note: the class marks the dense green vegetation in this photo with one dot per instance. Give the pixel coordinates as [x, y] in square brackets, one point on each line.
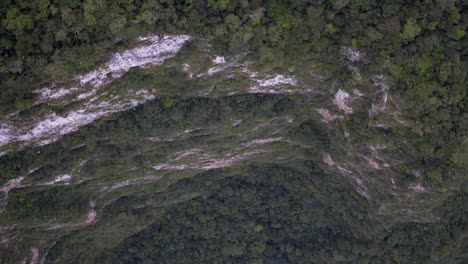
[295, 212]
[276, 214]
[281, 206]
[421, 45]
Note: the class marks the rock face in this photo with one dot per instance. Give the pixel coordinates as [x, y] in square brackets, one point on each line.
[152, 51]
[155, 52]
[193, 152]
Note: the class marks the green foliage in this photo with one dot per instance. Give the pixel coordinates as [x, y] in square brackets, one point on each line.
[410, 30]
[459, 33]
[218, 4]
[281, 15]
[330, 29]
[17, 22]
[118, 25]
[339, 4]
[258, 228]
[435, 176]
[273, 215]
[420, 46]
[232, 22]
[148, 16]
[40, 206]
[460, 157]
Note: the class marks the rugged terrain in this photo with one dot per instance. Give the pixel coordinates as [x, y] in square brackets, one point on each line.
[172, 148]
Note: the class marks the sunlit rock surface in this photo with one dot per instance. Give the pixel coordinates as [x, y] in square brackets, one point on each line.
[152, 50]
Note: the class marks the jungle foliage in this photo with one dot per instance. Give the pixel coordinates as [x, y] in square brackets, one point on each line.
[276, 214]
[264, 213]
[421, 45]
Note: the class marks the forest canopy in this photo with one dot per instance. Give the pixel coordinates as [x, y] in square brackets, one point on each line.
[418, 48]
[421, 45]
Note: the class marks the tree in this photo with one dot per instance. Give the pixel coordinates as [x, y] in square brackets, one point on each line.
[460, 157]
[232, 22]
[148, 16]
[218, 4]
[410, 30]
[435, 176]
[17, 22]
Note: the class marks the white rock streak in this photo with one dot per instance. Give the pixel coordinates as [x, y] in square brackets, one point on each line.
[327, 159]
[34, 255]
[275, 84]
[91, 217]
[341, 101]
[62, 178]
[54, 126]
[383, 103]
[152, 50]
[214, 70]
[384, 96]
[205, 162]
[262, 141]
[360, 186]
[327, 116]
[261, 83]
[418, 188]
[50, 93]
[373, 164]
[352, 54]
[9, 185]
[158, 50]
[187, 69]
[155, 53]
[126, 183]
[221, 65]
[278, 79]
[219, 60]
[6, 134]
[12, 184]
